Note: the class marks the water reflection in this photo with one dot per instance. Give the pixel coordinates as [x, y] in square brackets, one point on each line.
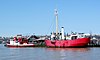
[69, 49]
[68, 53]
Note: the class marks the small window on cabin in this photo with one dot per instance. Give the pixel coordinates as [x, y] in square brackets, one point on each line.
[74, 37]
[82, 36]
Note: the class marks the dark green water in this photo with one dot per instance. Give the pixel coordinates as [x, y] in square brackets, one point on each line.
[49, 53]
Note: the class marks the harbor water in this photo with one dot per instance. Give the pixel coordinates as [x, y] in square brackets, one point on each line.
[43, 53]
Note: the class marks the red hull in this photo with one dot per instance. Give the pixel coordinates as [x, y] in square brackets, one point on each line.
[28, 45]
[68, 43]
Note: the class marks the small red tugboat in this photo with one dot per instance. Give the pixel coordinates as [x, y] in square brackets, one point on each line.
[19, 42]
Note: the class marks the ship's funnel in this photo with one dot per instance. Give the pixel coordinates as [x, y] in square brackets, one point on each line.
[62, 31]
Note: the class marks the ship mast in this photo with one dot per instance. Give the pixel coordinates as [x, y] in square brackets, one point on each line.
[56, 14]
